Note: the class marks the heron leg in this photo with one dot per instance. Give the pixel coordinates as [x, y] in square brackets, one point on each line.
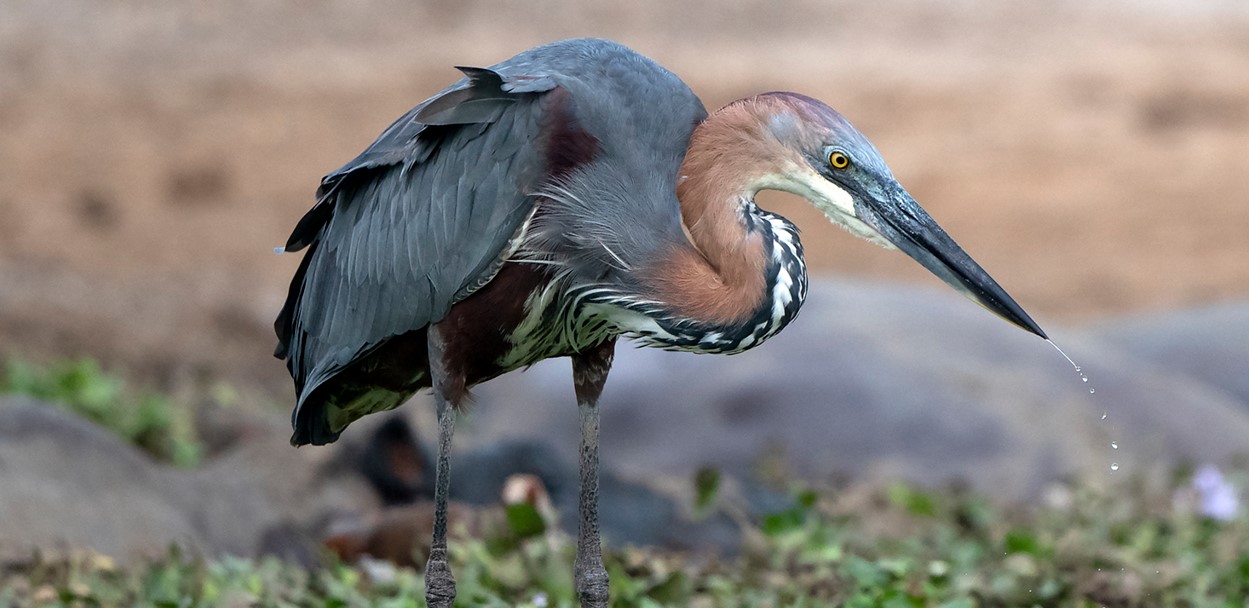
[589, 372]
[448, 390]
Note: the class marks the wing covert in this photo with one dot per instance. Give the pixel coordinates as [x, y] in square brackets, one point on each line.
[413, 224]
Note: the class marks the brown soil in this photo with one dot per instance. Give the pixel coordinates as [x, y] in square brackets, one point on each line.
[1096, 160]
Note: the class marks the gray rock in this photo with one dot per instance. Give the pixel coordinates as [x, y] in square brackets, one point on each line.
[65, 482]
[1210, 344]
[263, 484]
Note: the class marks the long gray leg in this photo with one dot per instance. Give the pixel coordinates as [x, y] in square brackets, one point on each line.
[589, 373]
[448, 390]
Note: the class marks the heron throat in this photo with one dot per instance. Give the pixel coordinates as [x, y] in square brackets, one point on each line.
[738, 277]
[702, 318]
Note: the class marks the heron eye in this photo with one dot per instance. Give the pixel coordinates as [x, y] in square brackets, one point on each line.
[837, 160]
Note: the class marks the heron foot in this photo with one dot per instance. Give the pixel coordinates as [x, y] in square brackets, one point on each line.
[439, 583]
[592, 584]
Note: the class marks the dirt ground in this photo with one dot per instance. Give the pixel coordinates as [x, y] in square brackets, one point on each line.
[1094, 158]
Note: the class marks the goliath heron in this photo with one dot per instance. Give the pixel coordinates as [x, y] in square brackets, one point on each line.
[549, 204]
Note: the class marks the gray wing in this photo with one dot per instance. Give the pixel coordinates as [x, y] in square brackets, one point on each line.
[414, 224]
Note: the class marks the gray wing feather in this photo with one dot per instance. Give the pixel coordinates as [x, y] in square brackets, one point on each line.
[479, 102]
[413, 224]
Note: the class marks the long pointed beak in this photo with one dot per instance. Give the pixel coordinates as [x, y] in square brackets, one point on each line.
[905, 224]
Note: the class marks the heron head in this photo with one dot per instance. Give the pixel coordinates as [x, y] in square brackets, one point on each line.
[831, 164]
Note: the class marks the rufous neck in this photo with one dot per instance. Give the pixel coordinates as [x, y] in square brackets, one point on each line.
[719, 277]
[730, 157]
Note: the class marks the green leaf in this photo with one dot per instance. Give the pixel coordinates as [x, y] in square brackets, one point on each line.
[865, 573]
[672, 590]
[524, 520]
[149, 421]
[807, 498]
[780, 523]
[911, 500]
[1021, 541]
[706, 489]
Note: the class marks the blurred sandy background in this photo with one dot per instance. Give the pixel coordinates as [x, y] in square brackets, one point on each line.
[1094, 157]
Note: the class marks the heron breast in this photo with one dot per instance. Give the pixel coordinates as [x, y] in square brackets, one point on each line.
[556, 324]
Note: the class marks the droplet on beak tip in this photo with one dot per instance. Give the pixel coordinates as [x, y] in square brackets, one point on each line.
[279, 250]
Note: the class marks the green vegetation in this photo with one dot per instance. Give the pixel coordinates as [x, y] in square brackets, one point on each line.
[885, 547]
[891, 547]
[150, 421]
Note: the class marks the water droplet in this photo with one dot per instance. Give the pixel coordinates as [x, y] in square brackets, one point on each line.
[1092, 390]
[1114, 466]
[1079, 370]
[1103, 415]
[1114, 445]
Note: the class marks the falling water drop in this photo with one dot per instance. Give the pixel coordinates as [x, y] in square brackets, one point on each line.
[1079, 370]
[1114, 466]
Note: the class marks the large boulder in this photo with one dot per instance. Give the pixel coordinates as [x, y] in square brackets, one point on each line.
[65, 482]
[1209, 343]
[68, 483]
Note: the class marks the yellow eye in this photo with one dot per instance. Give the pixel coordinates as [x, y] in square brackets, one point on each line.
[837, 160]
